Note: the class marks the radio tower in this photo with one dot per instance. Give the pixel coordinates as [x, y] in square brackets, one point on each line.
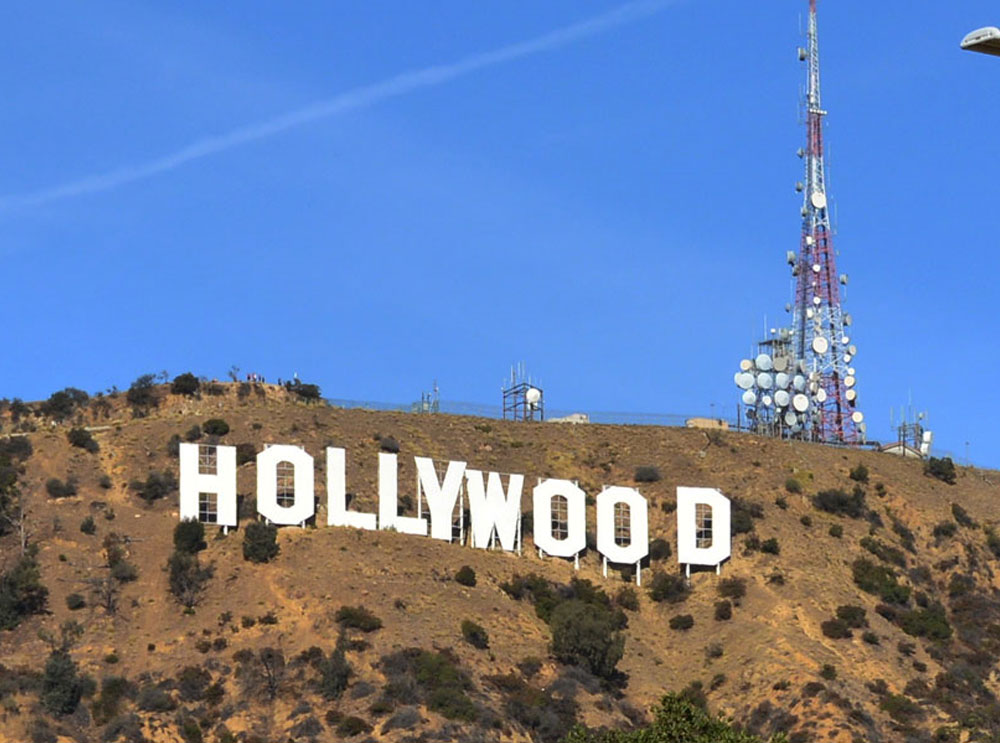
[801, 383]
[818, 320]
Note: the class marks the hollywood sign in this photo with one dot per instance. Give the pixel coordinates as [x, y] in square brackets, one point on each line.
[560, 530]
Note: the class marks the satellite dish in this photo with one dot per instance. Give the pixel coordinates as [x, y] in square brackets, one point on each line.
[818, 199]
[810, 313]
[820, 345]
[790, 418]
[851, 395]
[850, 371]
[750, 397]
[790, 257]
[857, 416]
[745, 381]
[780, 362]
[821, 395]
[847, 358]
[764, 362]
[853, 350]
[847, 319]
[845, 340]
[801, 403]
[799, 383]
[788, 307]
[800, 187]
[849, 381]
[746, 365]
[781, 380]
[782, 398]
[816, 268]
[766, 399]
[764, 381]
[533, 395]
[816, 301]
[809, 240]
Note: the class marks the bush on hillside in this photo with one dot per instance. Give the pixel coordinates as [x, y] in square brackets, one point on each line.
[584, 635]
[945, 529]
[836, 531]
[668, 587]
[21, 591]
[793, 486]
[156, 485]
[433, 678]
[75, 601]
[81, 438]
[723, 611]
[732, 588]
[659, 549]
[260, 542]
[853, 616]
[627, 598]
[836, 629]
[475, 635]
[307, 392]
[962, 516]
[860, 473]
[87, 526]
[189, 536]
[389, 445]
[185, 384]
[215, 427]
[334, 671]
[61, 405]
[57, 488]
[647, 473]
[770, 546]
[245, 452]
[358, 617]
[681, 622]
[61, 685]
[941, 469]
[465, 576]
[193, 434]
[879, 580]
[187, 578]
[142, 392]
[840, 503]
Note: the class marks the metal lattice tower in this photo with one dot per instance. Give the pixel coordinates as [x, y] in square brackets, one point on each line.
[818, 320]
[801, 384]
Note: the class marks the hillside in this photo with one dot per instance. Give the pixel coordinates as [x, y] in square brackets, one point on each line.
[244, 662]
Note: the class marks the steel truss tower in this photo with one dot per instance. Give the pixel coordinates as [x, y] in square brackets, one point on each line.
[801, 384]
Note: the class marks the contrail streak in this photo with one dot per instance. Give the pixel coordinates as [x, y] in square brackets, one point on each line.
[352, 100]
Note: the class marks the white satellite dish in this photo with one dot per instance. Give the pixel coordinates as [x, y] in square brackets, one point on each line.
[746, 365]
[818, 199]
[799, 382]
[851, 395]
[796, 428]
[847, 319]
[781, 362]
[766, 399]
[816, 301]
[820, 344]
[764, 381]
[845, 340]
[801, 403]
[809, 240]
[745, 381]
[750, 397]
[790, 418]
[847, 358]
[781, 380]
[764, 362]
[853, 350]
[810, 313]
[857, 416]
[533, 396]
[816, 268]
[821, 395]
[781, 399]
[850, 371]
[849, 381]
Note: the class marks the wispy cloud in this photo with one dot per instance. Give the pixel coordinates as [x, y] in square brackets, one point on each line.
[351, 100]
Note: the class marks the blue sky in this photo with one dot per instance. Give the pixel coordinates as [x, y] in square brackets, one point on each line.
[614, 211]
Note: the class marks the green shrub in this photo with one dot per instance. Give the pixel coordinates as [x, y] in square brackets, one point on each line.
[187, 577]
[260, 542]
[475, 635]
[962, 516]
[723, 611]
[668, 587]
[75, 601]
[941, 469]
[60, 405]
[871, 638]
[358, 617]
[647, 473]
[154, 698]
[840, 503]
[189, 536]
[56, 488]
[245, 452]
[81, 438]
[627, 598]
[884, 552]
[307, 392]
[901, 708]
[806, 521]
[61, 686]
[853, 616]
[732, 588]
[142, 393]
[192, 682]
[389, 445]
[931, 622]
[174, 446]
[334, 672]
[185, 384]
[351, 726]
[681, 622]
[431, 677]
[156, 485]
[659, 549]
[21, 592]
[87, 526]
[879, 581]
[836, 531]
[828, 672]
[193, 434]
[466, 576]
[860, 473]
[215, 427]
[583, 634]
[945, 529]
[770, 546]
[793, 486]
[836, 629]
